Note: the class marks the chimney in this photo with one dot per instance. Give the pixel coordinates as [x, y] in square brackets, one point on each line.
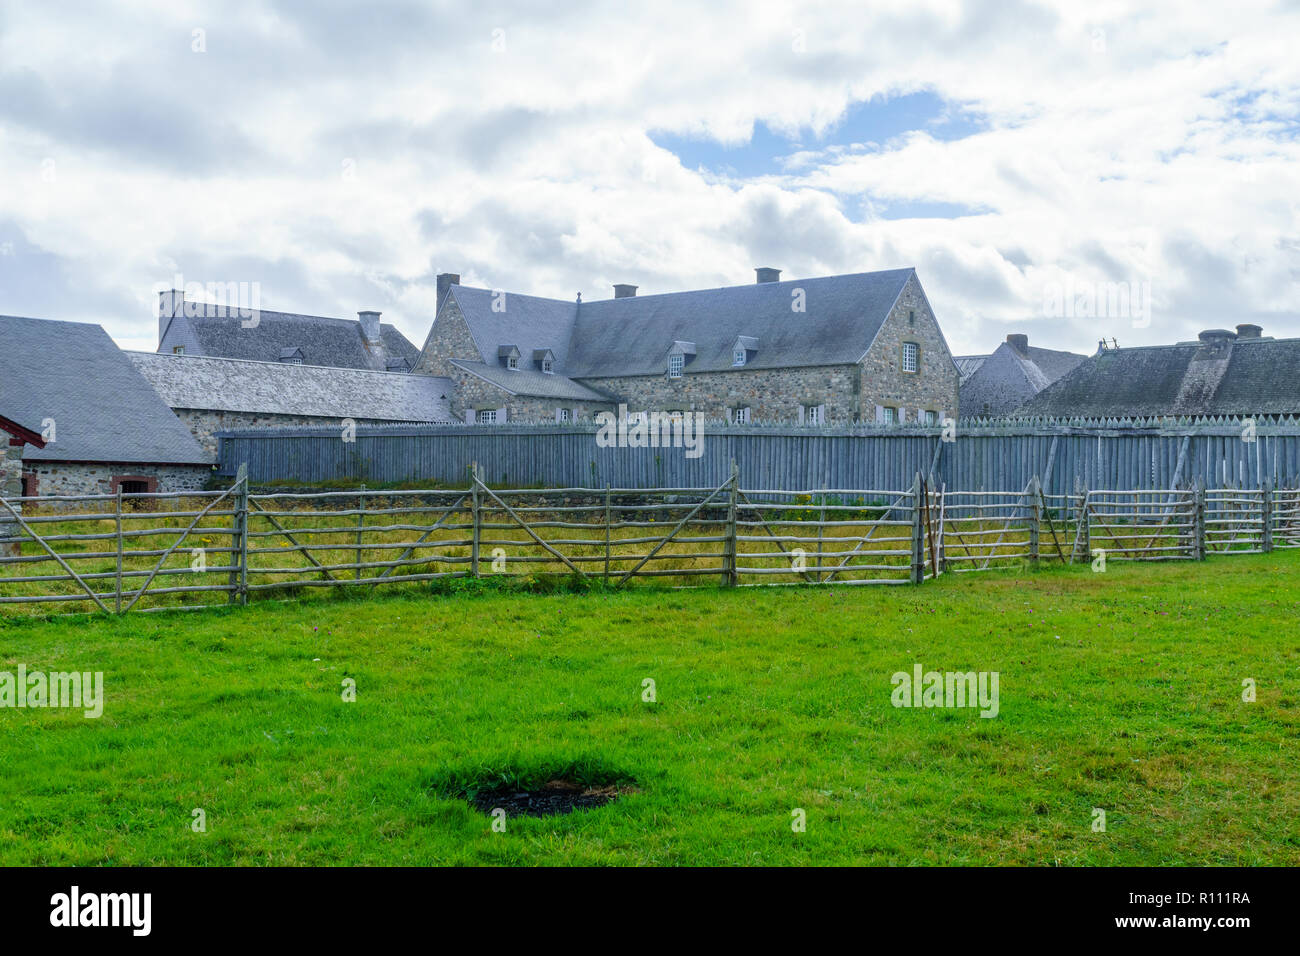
[624, 291]
[1019, 342]
[1247, 331]
[768, 275]
[170, 303]
[445, 281]
[370, 327]
[1215, 344]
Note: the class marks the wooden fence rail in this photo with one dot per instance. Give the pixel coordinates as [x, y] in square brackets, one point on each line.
[116, 553]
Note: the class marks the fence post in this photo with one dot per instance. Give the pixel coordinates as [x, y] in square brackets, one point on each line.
[918, 536]
[361, 523]
[1198, 523]
[941, 553]
[476, 504]
[609, 524]
[238, 579]
[1266, 541]
[1035, 518]
[731, 577]
[118, 517]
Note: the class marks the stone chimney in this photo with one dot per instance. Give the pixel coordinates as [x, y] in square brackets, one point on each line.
[1247, 331]
[370, 328]
[624, 291]
[1019, 342]
[1215, 344]
[170, 304]
[445, 281]
[768, 275]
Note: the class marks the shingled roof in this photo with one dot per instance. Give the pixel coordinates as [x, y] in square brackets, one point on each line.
[103, 409]
[203, 382]
[220, 332]
[631, 335]
[1223, 374]
[1011, 376]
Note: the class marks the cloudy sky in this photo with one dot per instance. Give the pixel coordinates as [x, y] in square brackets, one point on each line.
[1029, 159]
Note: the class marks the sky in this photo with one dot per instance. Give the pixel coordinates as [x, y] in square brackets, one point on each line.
[1068, 171]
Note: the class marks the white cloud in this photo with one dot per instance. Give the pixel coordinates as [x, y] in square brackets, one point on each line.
[340, 155]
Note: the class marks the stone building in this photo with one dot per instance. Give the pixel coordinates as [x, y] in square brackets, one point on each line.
[88, 421]
[996, 385]
[186, 327]
[838, 349]
[1222, 373]
[213, 394]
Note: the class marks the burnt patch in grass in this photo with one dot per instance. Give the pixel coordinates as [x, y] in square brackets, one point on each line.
[537, 791]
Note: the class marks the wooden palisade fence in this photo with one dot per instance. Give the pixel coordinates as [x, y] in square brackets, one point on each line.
[116, 554]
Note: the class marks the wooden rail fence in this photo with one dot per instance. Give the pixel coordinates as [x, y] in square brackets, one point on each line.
[117, 553]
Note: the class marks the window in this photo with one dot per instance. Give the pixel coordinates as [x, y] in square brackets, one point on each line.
[911, 317]
[487, 416]
[891, 415]
[738, 357]
[740, 416]
[548, 366]
[178, 350]
[513, 362]
[561, 414]
[931, 417]
[675, 365]
[815, 414]
[911, 357]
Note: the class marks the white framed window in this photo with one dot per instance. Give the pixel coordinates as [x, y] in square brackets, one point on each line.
[738, 357]
[487, 416]
[891, 415]
[676, 363]
[513, 362]
[740, 416]
[548, 366]
[931, 417]
[561, 414]
[911, 357]
[815, 414]
[178, 350]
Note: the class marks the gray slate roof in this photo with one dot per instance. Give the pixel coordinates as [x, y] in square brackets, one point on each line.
[968, 365]
[530, 382]
[202, 382]
[323, 341]
[103, 408]
[632, 335]
[1260, 376]
[1010, 377]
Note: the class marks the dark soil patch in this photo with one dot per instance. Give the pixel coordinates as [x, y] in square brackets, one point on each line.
[555, 796]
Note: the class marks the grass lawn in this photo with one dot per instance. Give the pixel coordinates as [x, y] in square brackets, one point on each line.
[1121, 691]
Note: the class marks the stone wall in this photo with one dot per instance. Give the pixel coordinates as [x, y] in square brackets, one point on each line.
[473, 393]
[205, 423]
[74, 478]
[772, 395]
[448, 339]
[11, 486]
[934, 386]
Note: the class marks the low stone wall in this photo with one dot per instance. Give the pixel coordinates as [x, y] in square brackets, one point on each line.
[11, 486]
[73, 478]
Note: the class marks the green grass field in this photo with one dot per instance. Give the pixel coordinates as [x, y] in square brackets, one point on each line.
[1120, 691]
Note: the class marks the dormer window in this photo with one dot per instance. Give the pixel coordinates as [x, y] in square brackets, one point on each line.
[544, 359]
[291, 356]
[508, 355]
[742, 350]
[513, 362]
[678, 356]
